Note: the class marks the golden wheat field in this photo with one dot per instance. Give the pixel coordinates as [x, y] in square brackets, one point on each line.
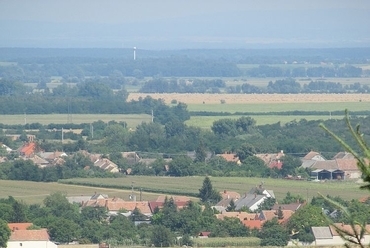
[193, 98]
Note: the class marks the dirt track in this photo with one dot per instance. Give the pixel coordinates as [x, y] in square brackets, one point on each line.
[254, 98]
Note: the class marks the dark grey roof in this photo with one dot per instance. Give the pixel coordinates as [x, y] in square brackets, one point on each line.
[248, 201]
[322, 232]
[292, 206]
[224, 202]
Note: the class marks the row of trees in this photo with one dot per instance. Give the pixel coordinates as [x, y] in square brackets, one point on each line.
[302, 71]
[161, 85]
[291, 86]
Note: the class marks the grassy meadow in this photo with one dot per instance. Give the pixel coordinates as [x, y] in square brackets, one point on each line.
[281, 107]
[132, 120]
[206, 122]
[191, 185]
[35, 192]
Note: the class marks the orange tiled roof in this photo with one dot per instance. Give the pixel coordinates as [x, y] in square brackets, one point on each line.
[270, 214]
[347, 164]
[143, 206]
[229, 194]
[240, 215]
[253, 224]
[347, 228]
[19, 226]
[29, 235]
[116, 204]
[230, 157]
[28, 149]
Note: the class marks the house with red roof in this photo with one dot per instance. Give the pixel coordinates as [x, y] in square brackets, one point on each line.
[27, 150]
[230, 157]
[272, 160]
[180, 202]
[22, 237]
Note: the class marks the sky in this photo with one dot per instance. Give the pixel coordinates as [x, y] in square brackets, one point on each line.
[185, 24]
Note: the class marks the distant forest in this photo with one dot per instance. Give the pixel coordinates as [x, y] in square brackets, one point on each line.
[75, 65]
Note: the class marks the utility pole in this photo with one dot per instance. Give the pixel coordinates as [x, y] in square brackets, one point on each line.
[92, 130]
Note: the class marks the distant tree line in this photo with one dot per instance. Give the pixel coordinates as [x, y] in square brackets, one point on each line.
[40, 70]
[160, 85]
[302, 71]
[282, 86]
[78, 65]
[291, 86]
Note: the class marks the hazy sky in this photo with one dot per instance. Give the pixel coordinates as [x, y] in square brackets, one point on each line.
[160, 24]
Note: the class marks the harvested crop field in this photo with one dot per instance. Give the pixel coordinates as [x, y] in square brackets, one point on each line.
[252, 98]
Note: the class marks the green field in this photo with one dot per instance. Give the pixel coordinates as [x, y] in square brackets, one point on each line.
[191, 185]
[132, 120]
[35, 192]
[207, 121]
[281, 107]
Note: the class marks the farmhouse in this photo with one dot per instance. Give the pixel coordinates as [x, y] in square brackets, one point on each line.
[27, 149]
[328, 235]
[272, 160]
[230, 157]
[102, 163]
[116, 205]
[22, 237]
[254, 198]
[342, 166]
[180, 201]
[7, 148]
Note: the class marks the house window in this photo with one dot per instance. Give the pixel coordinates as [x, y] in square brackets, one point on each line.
[20, 244]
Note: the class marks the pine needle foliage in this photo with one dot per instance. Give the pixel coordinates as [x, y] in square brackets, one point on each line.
[356, 234]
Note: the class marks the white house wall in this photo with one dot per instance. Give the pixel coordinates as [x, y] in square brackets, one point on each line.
[31, 244]
[255, 206]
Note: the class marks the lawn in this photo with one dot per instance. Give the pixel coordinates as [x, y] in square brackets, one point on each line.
[191, 185]
[35, 192]
[132, 120]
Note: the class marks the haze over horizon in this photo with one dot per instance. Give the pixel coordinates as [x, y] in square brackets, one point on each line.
[185, 24]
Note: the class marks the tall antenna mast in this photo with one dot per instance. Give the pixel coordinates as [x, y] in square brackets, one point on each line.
[134, 53]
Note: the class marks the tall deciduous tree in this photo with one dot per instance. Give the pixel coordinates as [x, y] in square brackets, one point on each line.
[4, 233]
[273, 234]
[162, 237]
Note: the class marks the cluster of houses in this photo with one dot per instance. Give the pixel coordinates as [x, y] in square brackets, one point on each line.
[245, 209]
[342, 166]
